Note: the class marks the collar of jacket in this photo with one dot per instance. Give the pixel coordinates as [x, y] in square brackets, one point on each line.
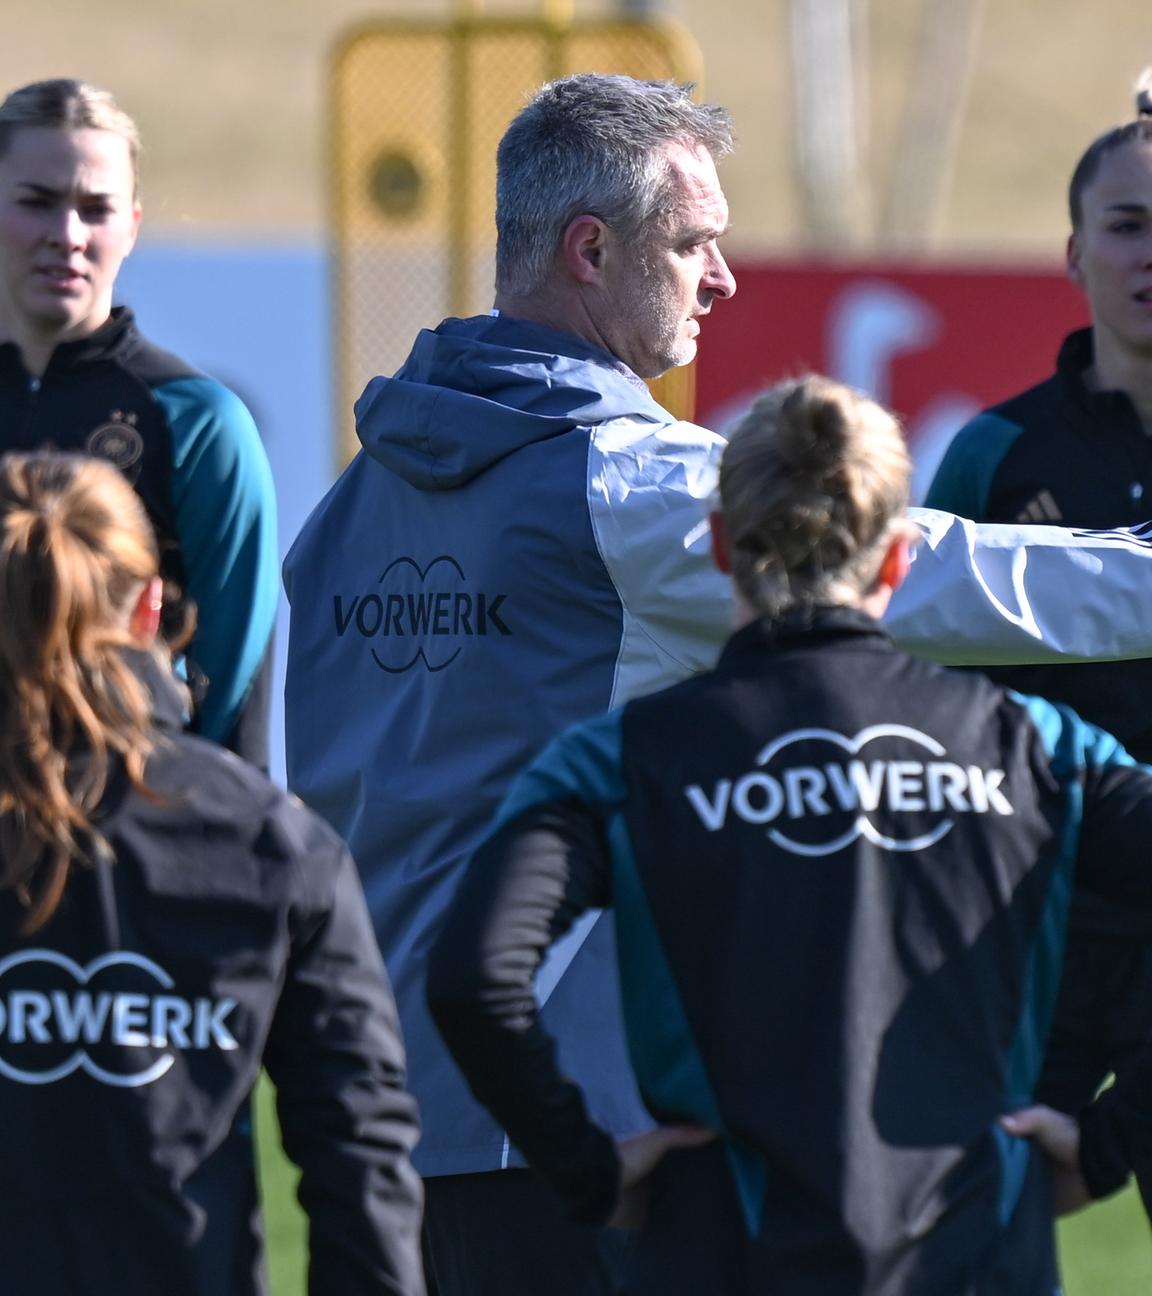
[169, 708]
[473, 391]
[106, 343]
[1073, 361]
[810, 627]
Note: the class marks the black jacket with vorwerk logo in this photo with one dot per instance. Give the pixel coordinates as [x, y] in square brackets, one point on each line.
[228, 930]
[840, 878]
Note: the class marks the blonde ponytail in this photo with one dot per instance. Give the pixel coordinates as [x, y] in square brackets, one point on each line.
[810, 482]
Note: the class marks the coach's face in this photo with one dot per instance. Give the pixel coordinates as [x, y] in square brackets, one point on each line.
[657, 288]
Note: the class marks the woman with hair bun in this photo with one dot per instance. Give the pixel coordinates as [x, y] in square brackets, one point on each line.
[77, 375]
[169, 922]
[1077, 450]
[839, 877]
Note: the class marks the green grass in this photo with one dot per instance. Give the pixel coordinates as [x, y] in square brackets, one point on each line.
[1105, 1251]
[283, 1219]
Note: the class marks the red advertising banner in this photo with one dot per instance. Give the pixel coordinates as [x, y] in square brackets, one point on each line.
[935, 344]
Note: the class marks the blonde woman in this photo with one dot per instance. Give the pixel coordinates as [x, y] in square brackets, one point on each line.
[839, 877]
[168, 921]
[76, 374]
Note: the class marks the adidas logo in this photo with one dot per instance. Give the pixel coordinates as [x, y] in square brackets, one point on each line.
[1041, 508]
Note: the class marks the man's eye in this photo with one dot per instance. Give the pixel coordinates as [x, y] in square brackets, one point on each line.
[32, 202]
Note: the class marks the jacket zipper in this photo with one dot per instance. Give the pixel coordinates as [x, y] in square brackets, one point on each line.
[30, 413]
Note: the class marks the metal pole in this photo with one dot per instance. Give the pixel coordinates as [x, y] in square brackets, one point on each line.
[827, 119]
[926, 143]
[459, 152]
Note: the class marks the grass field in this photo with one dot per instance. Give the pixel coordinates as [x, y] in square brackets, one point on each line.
[1106, 1251]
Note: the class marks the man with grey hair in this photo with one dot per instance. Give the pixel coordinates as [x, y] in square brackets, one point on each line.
[625, 186]
[510, 554]
[522, 543]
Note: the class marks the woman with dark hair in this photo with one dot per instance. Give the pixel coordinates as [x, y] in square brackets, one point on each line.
[77, 375]
[839, 877]
[1077, 450]
[169, 921]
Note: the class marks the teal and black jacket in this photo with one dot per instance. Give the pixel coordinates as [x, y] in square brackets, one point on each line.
[1065, 454]
[191, 450]
[840, 878]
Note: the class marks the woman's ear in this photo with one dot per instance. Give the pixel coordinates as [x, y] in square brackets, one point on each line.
[896, 562]
[721, 550]
[144, 623]
[1072, 260]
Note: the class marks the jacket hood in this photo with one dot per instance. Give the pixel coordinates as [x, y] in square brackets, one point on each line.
[475, 390]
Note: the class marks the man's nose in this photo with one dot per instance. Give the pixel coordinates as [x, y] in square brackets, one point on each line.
[720, 281]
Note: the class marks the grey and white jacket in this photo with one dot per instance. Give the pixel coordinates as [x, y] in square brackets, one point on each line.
[522, 543]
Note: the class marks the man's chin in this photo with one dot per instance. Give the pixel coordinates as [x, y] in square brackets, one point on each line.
[684, 354]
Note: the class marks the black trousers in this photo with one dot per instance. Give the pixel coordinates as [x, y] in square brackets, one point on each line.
[504, 1233]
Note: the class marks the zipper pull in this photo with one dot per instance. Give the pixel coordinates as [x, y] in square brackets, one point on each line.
[33, 385]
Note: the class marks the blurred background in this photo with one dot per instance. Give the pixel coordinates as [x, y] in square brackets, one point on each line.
[898, 198]
[897, 191]
[888, 152]
[231, 99]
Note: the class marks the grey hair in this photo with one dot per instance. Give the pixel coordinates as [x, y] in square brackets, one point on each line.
[591, 144]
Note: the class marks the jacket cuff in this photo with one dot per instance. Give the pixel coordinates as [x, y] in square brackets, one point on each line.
[1104, 1159]
[589, 1182]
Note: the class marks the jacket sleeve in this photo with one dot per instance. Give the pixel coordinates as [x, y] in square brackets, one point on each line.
[545, 865]
[978, 594]
[649, 491]
[1116, 1129]
[984, 594]
[335, 1055]
[1110, 807]
[225, 510]
[1113, 860]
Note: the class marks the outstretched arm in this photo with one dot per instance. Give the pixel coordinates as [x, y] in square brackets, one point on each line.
[986, 594]
[978, 593]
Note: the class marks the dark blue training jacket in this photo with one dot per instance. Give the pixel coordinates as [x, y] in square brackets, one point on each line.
[840, 878]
